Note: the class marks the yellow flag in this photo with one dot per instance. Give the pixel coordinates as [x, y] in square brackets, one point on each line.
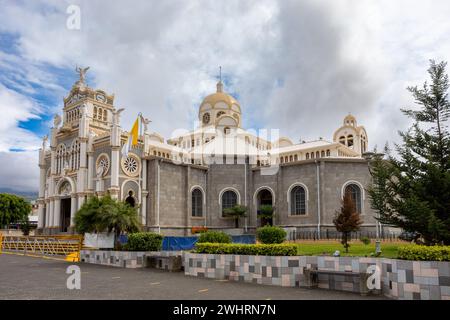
[135, 132]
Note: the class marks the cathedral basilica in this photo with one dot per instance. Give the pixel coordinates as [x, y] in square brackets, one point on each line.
[188, 180]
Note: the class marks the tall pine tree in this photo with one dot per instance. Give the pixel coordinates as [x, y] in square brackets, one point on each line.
[412, 190]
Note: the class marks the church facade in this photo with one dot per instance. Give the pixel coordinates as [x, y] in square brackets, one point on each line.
[188, 180]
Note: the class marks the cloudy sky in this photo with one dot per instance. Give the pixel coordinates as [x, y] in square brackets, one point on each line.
[298, 66]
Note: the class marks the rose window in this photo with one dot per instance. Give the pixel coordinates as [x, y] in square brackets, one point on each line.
[131, 165]
[102, 165]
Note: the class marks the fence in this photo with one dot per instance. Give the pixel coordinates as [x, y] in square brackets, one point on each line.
[335, 235]
[65, 247]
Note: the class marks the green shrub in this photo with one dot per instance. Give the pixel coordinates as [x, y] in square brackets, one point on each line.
[365, 240]
[214, 237]
[425, 253]
[247, 249]
[144, 241]
[269, 234]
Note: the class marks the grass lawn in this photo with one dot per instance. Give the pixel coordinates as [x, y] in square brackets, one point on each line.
[357, 248]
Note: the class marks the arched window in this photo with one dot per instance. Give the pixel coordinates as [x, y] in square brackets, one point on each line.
[197, 203]
[298, 201]
[75, 155]
[355, 192]
[95, 112]
[312, 155]
[295, 157]
[350, 140]
[290, 158]
[281, 160]
[317, 154]
[105, 115]
[229, 199]
[322, 153]
[342, 140]
[60, 158]
[328, 153]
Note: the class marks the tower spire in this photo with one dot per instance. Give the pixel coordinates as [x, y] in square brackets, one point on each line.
[220, 84]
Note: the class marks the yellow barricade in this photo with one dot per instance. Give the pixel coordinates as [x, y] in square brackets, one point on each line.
[67, 247]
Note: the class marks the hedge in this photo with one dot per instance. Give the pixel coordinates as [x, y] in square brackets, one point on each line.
[424, 253]
[144, 241]
[271, 235]
[247, 249]
[214, 237]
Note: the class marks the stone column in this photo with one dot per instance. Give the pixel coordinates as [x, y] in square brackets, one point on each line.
[115, 159]
[144, 193]
[80, 201]
[47, 213]
[41, 214]
[115, 143]
[73, 209]
[90, 168]
[57, 213]
[50, 216]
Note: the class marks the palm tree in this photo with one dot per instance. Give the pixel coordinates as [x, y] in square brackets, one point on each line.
[107, 214]
[118, 217]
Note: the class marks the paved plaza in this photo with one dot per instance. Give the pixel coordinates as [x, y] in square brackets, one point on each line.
[23, 277]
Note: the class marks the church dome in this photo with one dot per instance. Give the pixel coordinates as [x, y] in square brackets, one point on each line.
[350, 120]
[219, 105]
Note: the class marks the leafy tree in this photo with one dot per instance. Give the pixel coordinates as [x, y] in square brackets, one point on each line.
[107, 214]
[13, 209]
[347, 219]
[413, 191]
[236, 212]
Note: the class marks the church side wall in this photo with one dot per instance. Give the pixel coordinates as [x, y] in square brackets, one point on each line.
[335, 175]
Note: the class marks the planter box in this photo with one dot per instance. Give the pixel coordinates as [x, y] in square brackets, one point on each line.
[125, 259]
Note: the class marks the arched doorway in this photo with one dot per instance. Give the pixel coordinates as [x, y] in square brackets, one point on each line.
[65, 189]
[264, 198]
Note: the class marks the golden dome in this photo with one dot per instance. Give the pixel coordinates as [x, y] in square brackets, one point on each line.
[220, 96]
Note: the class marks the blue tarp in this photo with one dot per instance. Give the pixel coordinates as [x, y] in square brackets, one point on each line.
[178, 243]
[187, 243]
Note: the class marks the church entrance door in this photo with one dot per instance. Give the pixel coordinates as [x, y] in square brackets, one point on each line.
[65, 214]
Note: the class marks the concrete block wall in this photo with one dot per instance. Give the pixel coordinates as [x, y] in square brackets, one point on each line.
[404, 280]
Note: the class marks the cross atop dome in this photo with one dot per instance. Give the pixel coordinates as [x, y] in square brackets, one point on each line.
[220, 84]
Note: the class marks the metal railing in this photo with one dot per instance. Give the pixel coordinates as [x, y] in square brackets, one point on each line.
[56, 245]
[335, 235]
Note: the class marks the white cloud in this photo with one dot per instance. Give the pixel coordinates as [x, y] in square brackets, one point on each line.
[300, 66]
[19, 170]
[15, 107]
